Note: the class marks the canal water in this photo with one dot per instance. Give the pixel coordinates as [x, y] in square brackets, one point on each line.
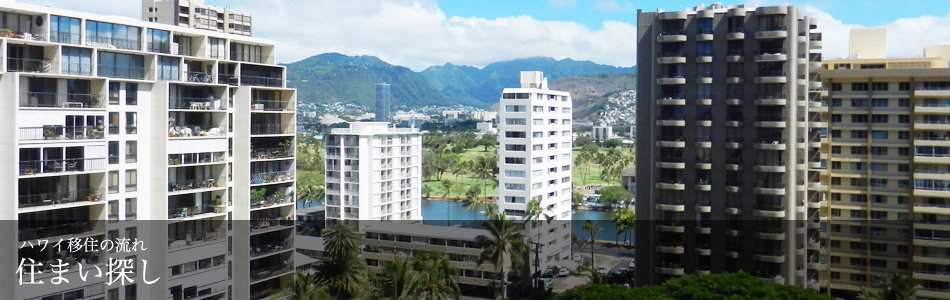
[438, 212]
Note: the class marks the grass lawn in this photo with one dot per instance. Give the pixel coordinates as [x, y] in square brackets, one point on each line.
[594, 177]
[471, 154]
[437, 186]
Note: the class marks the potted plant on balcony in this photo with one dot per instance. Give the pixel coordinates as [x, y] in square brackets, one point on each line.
[5, 32]
[218, 204]
[277, 196]
[47, 134]
[287, 146]
[257, 195]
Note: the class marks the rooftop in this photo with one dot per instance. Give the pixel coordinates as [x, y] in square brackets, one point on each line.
[434, 231]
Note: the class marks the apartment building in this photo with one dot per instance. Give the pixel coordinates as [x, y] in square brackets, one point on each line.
[534, 161]
[196, 14]
[379, 165]
[385, 240]
[603, 133]
[92, 104]
[887, 184]
[721, 142]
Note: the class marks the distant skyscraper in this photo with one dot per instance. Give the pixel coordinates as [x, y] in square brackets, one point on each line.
[382, 102]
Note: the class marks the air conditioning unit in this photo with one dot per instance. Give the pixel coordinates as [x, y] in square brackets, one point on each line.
[174, 49]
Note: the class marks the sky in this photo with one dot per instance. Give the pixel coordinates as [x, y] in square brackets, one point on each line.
[421, 33]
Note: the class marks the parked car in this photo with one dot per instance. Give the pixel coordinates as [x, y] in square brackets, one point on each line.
[603, 271]
[549, 272]
[576, 257]
[632, 265]
[563, 272]
[621, 271]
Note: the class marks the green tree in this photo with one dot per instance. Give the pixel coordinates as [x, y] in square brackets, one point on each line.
[613, 292]
[343, 271]
[615, 195]
[504, 246]
[577, 198]
[624, 221]
[485, 167]
[426, 191]
[589, 272]
[613, 143]
[739, 286]
[435, 278]
[303, 288]
[593, 229]
[892, 287]
[395, 282]
[447, 187]
[488, 140]
[583, 140]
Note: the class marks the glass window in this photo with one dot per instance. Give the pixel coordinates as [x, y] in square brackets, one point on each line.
[121, 65]
[114, 183]
[158, 41]
[131, 210]
[131, 93]
[217, 47]
[77, 61]
[131, 123]
[131, 151]
[131, 180]
[168, 68]
[119, 36]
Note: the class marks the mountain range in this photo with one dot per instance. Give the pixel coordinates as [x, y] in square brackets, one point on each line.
[334, 77]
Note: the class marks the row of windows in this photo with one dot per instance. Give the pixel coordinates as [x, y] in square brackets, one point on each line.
[872, 86]
[874, 214]
[874, 150]
[874, 134]
[877, 167]
[874, 102]
[878, 199]
[864, 182]
[877, 119]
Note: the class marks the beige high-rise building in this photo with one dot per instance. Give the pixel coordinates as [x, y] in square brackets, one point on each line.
[887, 183]
[196, 14]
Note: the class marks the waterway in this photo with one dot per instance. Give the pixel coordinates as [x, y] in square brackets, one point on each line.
[446, 213]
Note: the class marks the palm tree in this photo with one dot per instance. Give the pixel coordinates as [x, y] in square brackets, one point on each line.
[343, 271]
[504, 245]
[471, 201]
[484, 168]
[426, 191]
[447, 186]
[618, 222]
[893, 287]
[533, 214]
[588, 271]
[302, 288]
[592, 228]
[490, 211]
[395, 281]
[630, 222]
[435, 277]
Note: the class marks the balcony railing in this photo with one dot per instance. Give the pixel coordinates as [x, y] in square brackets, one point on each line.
[269, 129]
[673, 32]
[29, 65]
[64, 100]
[32, 167]
[113, 43]
[200, 77]
[125, 72]
[158, 47]
[196, 103]
[182, 240]
[190, 211]
[72, 228]
[193, 184]
[271, 153]
[672, 54]
[262, 81]
[268, 248]
[271, 105]
[268, 177]
[77, 69]
[64, 197]
[195, 158]
[190, 131]
[272, 200]
[64, 37]
[259, 274]
[227, 79]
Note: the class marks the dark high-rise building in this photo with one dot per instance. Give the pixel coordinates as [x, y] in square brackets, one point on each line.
[722, 143]
[382, 102]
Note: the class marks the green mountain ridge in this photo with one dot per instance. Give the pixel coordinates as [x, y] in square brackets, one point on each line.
[334, 77]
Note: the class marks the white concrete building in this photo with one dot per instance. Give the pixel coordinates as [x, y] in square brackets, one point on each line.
[90, 104]
[489, 116]
[486, 127]
[534, 159]
[603, 133]
[196, 14]
[379, 165]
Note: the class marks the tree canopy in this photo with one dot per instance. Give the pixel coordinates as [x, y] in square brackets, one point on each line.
[738, 286]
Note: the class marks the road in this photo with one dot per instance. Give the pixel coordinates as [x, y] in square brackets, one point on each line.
[621, 258]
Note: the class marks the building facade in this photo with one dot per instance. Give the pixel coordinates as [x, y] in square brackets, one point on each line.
[603, 133]
[196, 14]
[534, 161]
[382, 102]
[721, 143]
[90, 112]
[887, 170]
[374, 173]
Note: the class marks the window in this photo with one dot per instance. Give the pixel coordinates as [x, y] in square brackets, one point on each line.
[114, 294]
[835, 212]
[510, 199]
[903, 86]
[538, 122]
[878, 150]
[510, 121]
[903, 119]
[131, 123]
[836, 134]
[857, 230]
[903, 168]
[878, 215]
[878, 182]
[859, 118]
[836, 180]
[859, 102]
[113, 152]
[515, 147]
[855, 150]
[131, 180]
[858, 214]
[513, 173]
[516, 96]
[514, 186]
[113, 211]
[216, 47]
[836, 149]
[859, 134]
[878, 247]
[114, 92]
[537, 160]
[859, 198]
[248, 53]
[77, 61]
[835, 259]
[515, 134]
[537, 147]
[131, 150]
[878, 199]
[168, 68]
[63, 30]
[835, 228]
[879, 167]
[879, 135]
[538, 109]
[859, 86]
[858, 181]
[836, 118]
[121, 65]
[903, 151]
[836, 86]
[879, 86]
[835, 275]
[132, 93]
[158, 41]
[878, 119]
[536, 186]
[903, 102]
[537, 134]
[566, 122]
[879, 102]
[903, 135]
[836, 102]
[514, 160]
[858, 277]
[835, 244]
[835, 165]
[131, 208]
[836, 196]
[120, 36]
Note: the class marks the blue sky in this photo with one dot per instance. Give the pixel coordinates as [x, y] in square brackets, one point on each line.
[421, 33]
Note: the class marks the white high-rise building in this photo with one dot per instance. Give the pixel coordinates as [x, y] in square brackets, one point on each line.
[534, 160]
[379, 165]
[91, 104]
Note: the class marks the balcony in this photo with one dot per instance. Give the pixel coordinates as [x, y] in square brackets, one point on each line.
[262, 81]
[185, 159]
[771, 57]
[271, 105]
[60, 198]
[671, 100]
[670, 226]
[671, 58]
[773, 121]
[268, 129]
[921, 274]
[775, 234]
[270, 248]
[273, 200]
[670, 249]
[771, 77]
[938, 91]
[671, 141]
[770, 256]
[186, 240]
[673, 269]
[771, 33]
[52, 166]
[125, 72]
[29, 65]
[197, 131]
[112, 43]
[942, 125]
[57, 132]
[229, 79]
[671, 205]
[63, 230]
[769, 211]
[258, 225]
[196, 103]
[193, 184]
[272, 153]
[64, 37]
[81, 69]
[928, 208]
[770, 99]
[259, 274]
[668, 36]
[192, 211]
[202, 292]
[936, 107]
[272, 177]
[198, 77]
[671, 79]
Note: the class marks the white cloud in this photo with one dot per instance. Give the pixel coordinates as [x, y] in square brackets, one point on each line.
[906, 37]
[415, 34]
[562, 3]
[612, 5]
